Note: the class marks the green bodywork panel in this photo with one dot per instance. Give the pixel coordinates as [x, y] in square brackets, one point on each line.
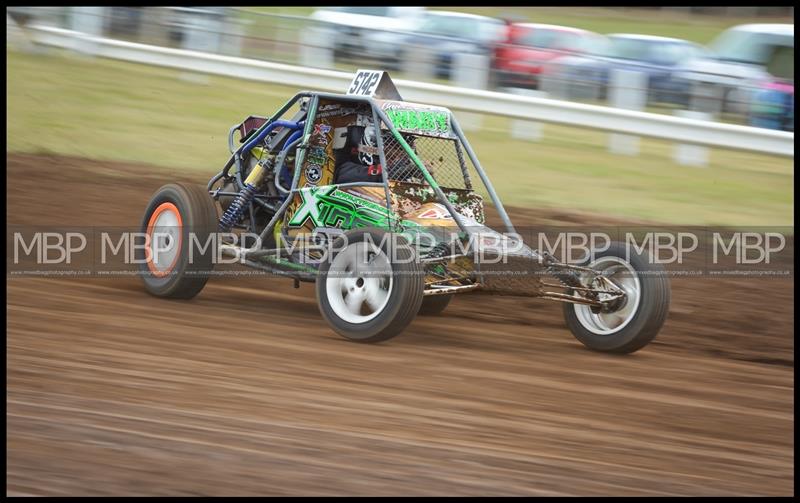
[329, 206]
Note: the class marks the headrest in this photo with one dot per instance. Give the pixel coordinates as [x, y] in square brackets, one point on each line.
[344, 139]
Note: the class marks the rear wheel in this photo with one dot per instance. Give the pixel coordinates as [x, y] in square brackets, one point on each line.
[369, 289]
[637, 319]
[178, 218]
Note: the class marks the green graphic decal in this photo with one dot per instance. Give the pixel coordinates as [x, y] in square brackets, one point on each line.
[331, 207]
[419, 120]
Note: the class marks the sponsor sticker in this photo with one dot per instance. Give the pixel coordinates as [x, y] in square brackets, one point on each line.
[437, 212]
[317, 155]
[420, 120]
[321, 134]
[313, 174]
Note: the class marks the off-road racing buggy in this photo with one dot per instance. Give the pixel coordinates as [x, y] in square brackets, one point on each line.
[401, 240]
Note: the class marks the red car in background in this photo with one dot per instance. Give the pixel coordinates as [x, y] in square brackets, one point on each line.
[518, 62]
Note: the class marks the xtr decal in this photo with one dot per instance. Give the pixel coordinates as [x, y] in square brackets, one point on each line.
[331, 207]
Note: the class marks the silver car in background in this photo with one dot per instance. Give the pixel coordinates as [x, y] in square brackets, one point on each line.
[724, 81]
[366, 33]
[444, 34]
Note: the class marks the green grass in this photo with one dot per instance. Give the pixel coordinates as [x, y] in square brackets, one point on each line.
[114, 110]
[572, 168]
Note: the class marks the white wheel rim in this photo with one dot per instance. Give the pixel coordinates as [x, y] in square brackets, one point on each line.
[622, 274]
[359, 283]
[164, 240]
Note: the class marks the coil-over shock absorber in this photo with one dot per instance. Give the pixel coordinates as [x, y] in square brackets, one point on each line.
[234, 212]
[566, 277]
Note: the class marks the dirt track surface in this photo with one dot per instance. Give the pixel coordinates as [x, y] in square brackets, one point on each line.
[114, 392]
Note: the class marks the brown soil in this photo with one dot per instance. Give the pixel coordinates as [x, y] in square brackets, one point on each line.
[244, 390]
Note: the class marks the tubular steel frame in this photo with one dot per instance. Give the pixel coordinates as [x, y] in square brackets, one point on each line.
[379, 116]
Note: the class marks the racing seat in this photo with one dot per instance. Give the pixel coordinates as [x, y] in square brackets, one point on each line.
[348, 151]
[352, 165]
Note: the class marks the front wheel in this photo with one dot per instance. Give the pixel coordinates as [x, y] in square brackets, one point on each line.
[370, 286]
[177, 258]
[637, 319]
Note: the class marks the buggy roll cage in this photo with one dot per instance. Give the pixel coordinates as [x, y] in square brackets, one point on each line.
[563, 272]
[305, 125]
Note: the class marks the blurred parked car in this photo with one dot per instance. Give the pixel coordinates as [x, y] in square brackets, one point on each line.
[361, 32]
[519, 60]
[445, 33]
[772, 106]
[658, 57]
[124, 21]
[737, 63]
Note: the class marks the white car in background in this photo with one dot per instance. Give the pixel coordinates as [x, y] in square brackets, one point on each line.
[358, 33]
[739, 61]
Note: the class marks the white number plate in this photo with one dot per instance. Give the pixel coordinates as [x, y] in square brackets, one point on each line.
[365, 82]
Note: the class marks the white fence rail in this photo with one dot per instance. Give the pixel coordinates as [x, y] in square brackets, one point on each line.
[614, 120]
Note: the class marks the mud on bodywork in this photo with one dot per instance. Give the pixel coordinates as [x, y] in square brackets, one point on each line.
[409, 198]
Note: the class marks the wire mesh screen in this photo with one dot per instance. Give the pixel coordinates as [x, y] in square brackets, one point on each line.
[443, 158]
